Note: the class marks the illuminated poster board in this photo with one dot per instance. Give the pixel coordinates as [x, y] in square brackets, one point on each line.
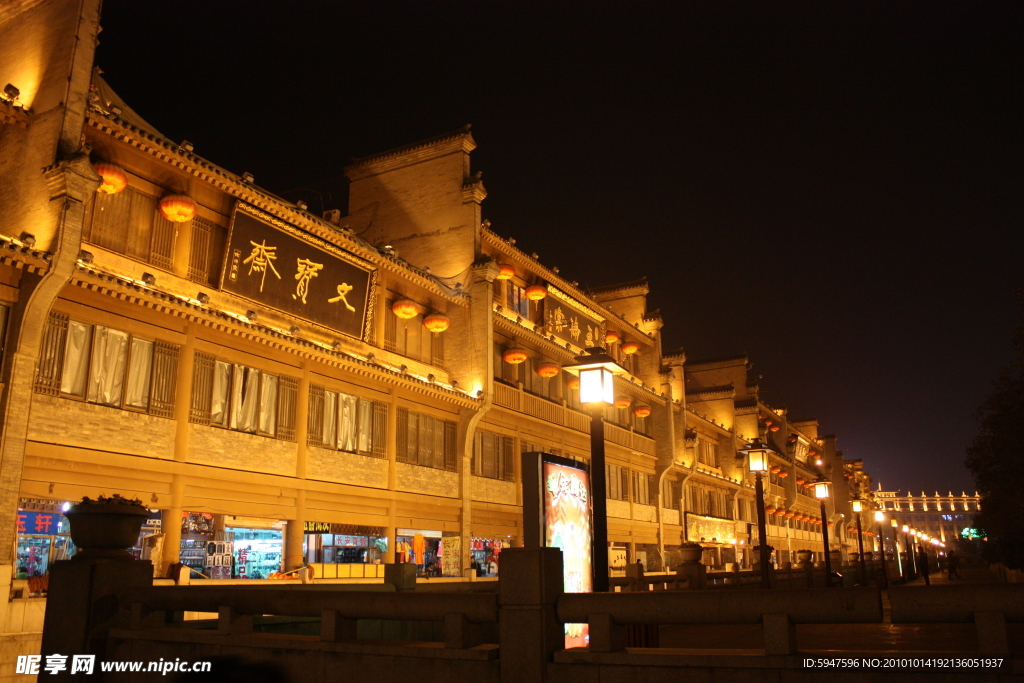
[276, 264]
[565, 508]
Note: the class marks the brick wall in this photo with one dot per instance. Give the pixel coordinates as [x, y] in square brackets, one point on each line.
[86, 425]
[416, 479]
[346, 468]
[644, 513]
[240, 451]
[618, 508]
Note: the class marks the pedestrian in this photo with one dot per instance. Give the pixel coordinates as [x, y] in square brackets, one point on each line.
[922, 566]
[953, 565]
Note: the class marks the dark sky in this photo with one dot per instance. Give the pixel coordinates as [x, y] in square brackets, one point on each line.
[833, 187]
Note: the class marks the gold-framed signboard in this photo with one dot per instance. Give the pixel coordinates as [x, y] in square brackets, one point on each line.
[278, 265]
[571, 321]
[709, 529]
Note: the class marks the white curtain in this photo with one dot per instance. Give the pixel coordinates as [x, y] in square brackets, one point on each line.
[109, 357]
[245, 388]
[140, 364]
[221, 385]
[330, 433]
[365, 426]
[347, 423]
[268, 405]
[76, 359]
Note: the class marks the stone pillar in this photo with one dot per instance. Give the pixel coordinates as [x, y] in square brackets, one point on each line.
[218, 523]
[294, 535]
[530, 633]
[392, 535]
[170, 525]
[82, 606]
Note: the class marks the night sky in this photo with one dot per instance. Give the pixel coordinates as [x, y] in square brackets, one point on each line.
[832, 187]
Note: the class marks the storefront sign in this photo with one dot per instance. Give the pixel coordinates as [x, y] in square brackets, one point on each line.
[278, 265]
[709, 529]
[39, 522]
[567, 526]
[451, 556]
[316, 527]
[350, 541]
[570, 321]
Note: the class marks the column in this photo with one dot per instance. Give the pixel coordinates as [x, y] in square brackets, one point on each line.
[294, 534]
[170, 525]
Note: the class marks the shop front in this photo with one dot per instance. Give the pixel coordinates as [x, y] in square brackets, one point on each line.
[424, 548]
[330, 543]
[484, 554]
[257, 546]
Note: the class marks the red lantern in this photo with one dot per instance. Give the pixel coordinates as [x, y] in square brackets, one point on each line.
[790, 514]
[611, 337]
[514, 356]
[775, 469]
[629, 347]
[573, 383]
[178, 208]
[506, 272]
[831, 524]
[775, 428]
[783, 474]
[406, 309]
[536, 292]
[770, 510]
[114, 177]
[548, 370]
[436, 322]
[800, 480]
[642, 410]
[623, 402]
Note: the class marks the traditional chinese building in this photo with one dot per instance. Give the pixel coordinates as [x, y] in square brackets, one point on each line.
[941, 516]
[347, 389]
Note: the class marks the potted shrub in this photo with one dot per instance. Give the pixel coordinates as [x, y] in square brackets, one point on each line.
[107, 526]
[690, 553]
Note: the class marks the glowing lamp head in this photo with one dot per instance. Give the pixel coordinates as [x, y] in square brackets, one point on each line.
[821, 489]
[757, 452]
[906, 529]
[596, 372]
[894, 523]
[857, 505]
[879, 516]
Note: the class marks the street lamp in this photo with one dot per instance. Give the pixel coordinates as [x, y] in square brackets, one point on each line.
[757, 452]
[858, 507]
[910, 549]
[896, 547]
[597, 371]
[880, 517]
[821, 493]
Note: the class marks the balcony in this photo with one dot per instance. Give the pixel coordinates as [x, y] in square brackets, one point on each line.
[520, 401]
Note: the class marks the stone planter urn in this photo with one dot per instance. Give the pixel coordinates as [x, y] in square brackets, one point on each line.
[690, 554]
[106, 527]
[803, 556]
[836, 558]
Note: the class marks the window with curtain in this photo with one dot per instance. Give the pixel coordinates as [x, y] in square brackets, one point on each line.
[643, 488]
[617, 479]
[516, 300]
[242, 398]
[345, 422]
[107, 366]
[426, 441]
[493, 456]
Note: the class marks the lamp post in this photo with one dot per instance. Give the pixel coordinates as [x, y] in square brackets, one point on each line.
[910, 551]
[597, 371]
[896, 547]
[880, 517]
[821, 493]
[858, 507]
[757, 461]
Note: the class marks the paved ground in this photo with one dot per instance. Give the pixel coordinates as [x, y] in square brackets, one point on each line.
[860, 638]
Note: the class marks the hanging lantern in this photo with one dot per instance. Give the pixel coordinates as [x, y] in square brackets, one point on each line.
[767, 423]
[114, 177]
[406, 309]
[770, 510]
[506, 272]
[791, 438]
[831, 524]
[781, 512]
[573, 383]
[800, 480]
[783, 474]
[642, 410]
[548, 370]
[790, 514]
[436, 322]
[623, 402]
[514, 356]
[630, 347]
[536, 292]
[611, 337]
[775, 428]
[178, 208]
[775, 469]
[811, 453]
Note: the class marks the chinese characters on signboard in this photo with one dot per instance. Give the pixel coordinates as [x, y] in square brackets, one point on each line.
[712, 529]
[565, 319]
[567, 526]
[275, 264]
